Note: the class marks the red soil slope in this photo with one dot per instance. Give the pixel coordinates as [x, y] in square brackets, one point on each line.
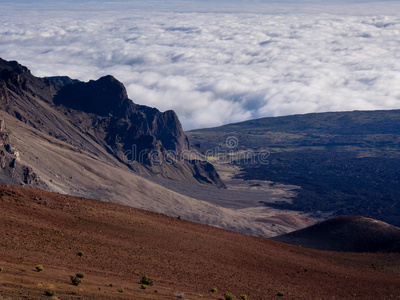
[120, 244]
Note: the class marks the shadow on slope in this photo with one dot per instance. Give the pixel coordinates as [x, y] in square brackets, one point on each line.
[347, 233]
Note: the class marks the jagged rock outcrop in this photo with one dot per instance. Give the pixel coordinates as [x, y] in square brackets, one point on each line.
[86, 115]
[125, 125]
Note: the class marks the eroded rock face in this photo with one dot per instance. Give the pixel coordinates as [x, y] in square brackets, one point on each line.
[104, 97]
[11, 170]
[126, 123]
[103, 114]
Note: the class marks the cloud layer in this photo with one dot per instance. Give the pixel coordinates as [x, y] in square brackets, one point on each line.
[216, 68]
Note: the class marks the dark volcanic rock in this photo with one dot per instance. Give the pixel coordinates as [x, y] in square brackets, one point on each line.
[125, 126]
[347, 233]
[104, 97]
[345, 163]
[136, 135]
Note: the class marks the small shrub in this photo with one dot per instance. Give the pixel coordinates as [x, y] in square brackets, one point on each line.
[39, 268]
[143, 286]
[1, 269]
[120, 290]
[80, 275]
[229, 296]
[147, 280]
[80, 253]
[214, 290]
[49, 293]
[75, 280]
[280, 294]
[111, 284]
[74, 292]
[200, 296]
[243, 297]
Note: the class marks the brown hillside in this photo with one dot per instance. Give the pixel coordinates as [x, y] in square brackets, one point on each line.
[119, 244]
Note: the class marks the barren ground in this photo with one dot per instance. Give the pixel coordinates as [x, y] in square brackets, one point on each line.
[120, 244]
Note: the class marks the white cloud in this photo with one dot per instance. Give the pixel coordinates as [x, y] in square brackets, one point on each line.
[215, 68]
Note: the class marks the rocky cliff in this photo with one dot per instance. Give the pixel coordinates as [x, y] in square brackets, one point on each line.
[89, 115]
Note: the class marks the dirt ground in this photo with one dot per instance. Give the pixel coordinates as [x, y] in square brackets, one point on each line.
[119, 244]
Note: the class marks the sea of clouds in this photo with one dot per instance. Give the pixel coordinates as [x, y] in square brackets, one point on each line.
[216, 63]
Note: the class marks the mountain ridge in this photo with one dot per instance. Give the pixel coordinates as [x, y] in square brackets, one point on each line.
[344, 163]
[306, 116]
[102, 109]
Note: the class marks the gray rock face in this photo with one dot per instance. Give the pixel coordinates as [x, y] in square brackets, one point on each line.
[146, 140]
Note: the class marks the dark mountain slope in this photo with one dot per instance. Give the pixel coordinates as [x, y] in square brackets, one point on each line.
[99, 113]
[357, 128]
[346, 163]
[347, 233]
